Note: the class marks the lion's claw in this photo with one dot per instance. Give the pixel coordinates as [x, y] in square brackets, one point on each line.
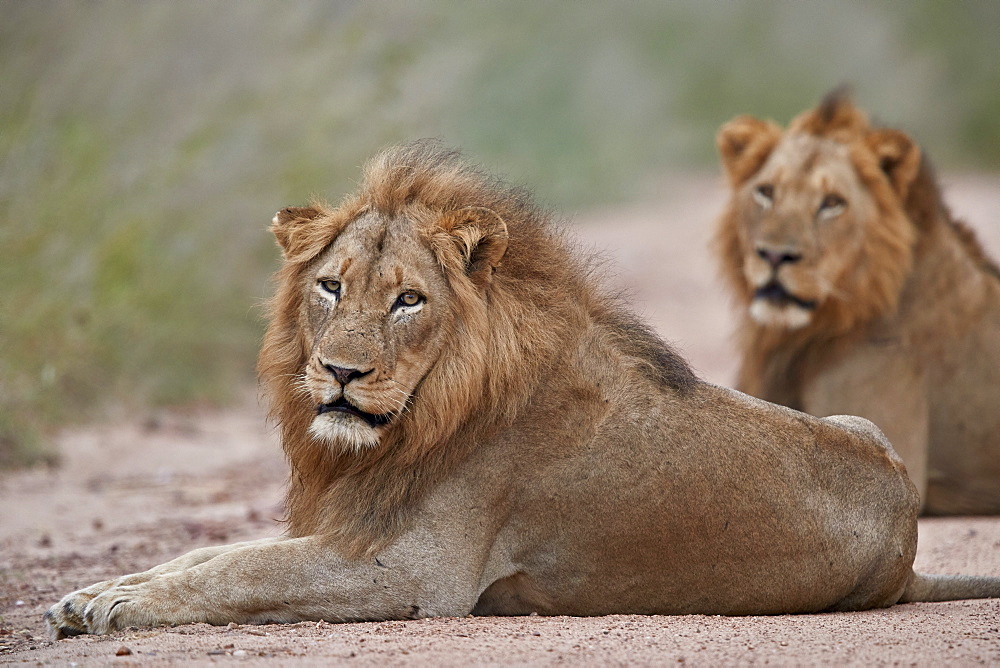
[74, 614]
[66, 618]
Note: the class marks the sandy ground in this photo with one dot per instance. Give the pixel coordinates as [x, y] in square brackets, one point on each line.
[133, 494]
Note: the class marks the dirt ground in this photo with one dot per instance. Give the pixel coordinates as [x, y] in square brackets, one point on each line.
[137, 492]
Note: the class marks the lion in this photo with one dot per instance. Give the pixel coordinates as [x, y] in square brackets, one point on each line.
[474, 426]
[861, 294]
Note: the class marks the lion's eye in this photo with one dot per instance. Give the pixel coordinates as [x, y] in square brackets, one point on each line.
[831, 205]
[408, 298]
[832, 201]
[764, 194]
[330, 285]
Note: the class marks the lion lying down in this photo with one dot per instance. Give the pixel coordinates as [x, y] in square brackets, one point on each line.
[473, 427]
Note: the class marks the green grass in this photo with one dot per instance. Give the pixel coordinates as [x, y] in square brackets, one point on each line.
[145, 146]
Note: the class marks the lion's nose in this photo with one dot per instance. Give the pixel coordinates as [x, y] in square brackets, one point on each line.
[344, 375]
[778, 258]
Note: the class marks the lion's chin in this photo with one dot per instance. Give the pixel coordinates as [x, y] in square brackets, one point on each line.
[774, 306]
[784, 315]
[344, 431]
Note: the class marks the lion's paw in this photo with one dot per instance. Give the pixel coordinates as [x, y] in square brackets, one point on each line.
[66, 618]
[115, 609]
[83, 611]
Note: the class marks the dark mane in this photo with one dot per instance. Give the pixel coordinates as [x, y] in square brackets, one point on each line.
[926, 207]
[662, 364]
[832, 103]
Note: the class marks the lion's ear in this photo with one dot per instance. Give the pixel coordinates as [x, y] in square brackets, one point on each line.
[898, 156]
[744, 144]
[481, 238]
[288, 225]
[487, 253]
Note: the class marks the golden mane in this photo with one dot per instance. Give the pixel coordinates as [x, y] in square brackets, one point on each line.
[885, 259]
[507, 340]
[909, 211]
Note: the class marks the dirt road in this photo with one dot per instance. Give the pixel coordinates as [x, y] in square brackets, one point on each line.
[135, 493]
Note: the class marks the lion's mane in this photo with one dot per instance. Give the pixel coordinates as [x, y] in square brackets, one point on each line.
[507, 337]
[910, 214]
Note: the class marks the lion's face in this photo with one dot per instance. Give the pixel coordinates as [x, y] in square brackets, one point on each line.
[374, 320]
[816, 230]
[802, 221]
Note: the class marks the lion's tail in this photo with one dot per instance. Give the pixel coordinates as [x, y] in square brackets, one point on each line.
[927, 588]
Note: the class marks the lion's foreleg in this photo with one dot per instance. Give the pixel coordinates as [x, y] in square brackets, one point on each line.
[198, 556]
[66, 617]
[271, 581]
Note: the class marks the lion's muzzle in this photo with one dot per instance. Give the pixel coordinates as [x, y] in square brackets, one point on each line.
[342, 405]
[775, 293]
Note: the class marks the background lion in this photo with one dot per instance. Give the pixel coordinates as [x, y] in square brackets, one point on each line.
[473, 427]
[863, 295]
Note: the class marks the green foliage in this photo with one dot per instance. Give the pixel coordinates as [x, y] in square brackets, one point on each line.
[145, 146]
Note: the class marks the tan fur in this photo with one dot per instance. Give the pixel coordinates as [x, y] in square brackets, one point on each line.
[524, 443]
[906, 324]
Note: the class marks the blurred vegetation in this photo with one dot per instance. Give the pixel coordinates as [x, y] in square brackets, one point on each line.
[144, 146]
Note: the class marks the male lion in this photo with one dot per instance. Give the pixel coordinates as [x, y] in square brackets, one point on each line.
[473, 427]
[864, 296]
